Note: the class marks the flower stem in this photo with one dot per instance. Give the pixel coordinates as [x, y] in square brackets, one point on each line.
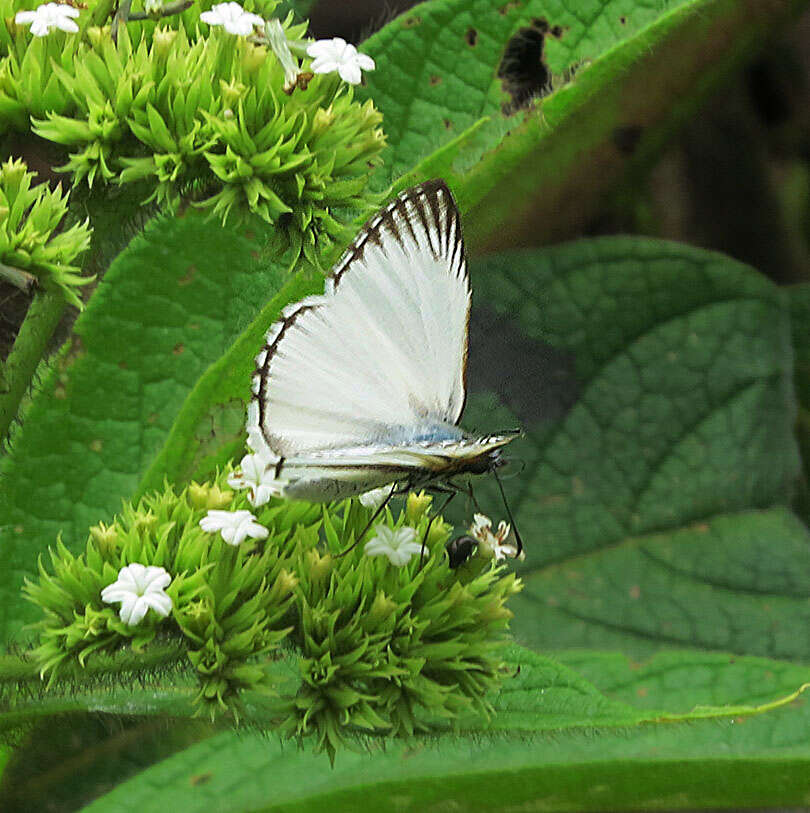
[43, 316]
[18, 278]
[121, 16]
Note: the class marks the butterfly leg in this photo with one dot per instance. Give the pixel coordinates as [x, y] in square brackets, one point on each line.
[383, 505]
[451, 492]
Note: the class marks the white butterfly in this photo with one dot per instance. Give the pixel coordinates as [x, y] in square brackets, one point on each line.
[364, 386]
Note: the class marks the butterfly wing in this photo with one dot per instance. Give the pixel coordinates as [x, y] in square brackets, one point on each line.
[383, 351]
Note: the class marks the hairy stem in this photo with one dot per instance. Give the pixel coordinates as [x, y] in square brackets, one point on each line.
[37, 328]
[19, 668]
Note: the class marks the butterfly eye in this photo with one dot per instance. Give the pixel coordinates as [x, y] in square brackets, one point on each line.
[460, 549]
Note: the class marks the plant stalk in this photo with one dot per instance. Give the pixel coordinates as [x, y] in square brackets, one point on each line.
[43, 316]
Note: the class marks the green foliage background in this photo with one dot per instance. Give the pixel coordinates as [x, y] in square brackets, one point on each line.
[660, 388]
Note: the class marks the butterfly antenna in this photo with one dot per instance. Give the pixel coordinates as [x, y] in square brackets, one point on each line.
[430, 523]
[380, 508]
[509, 513]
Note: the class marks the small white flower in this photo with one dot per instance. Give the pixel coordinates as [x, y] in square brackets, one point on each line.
[338, 55]
[138, 588]
[255, 475]
[397, 544]
[375, 498]
[493, 544]
[235, 526]
[48, 16]
[233, 18]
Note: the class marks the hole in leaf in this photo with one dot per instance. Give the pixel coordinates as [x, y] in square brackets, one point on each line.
[523, 68]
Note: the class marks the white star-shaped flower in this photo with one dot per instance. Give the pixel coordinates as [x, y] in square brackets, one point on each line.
[254, 474]
[48, 16]
[138, 588]
[338, 55]
[235, 526]
[494, 544]
[397, 544]
[233, 18]
[375, 498]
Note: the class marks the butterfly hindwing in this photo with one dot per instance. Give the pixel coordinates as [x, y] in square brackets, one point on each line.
[383, 351]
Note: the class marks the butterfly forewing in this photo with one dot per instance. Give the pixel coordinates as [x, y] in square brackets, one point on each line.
[380, 357]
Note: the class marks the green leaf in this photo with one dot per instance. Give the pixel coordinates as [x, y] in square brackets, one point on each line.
[169, 306]
[654, 383]
[616, 79]
[799, 298]
[209, 428]
[639, 758]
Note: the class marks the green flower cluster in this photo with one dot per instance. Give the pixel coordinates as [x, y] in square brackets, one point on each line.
[380, 650]
[389, 650]
[191, 117]
[229, 603]
[29, 217]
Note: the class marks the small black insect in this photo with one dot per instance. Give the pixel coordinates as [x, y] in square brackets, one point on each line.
[460, 549]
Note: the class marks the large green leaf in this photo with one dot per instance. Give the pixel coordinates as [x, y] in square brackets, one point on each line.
[799, 297]
[654, 383]
[639, 70]
[602, 753]
[169, 306]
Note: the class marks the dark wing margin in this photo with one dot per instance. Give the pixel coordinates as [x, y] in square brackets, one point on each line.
[428, 208]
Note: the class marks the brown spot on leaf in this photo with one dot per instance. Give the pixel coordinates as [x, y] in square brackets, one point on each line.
[471, 37]
[96, 445]
[189, 275]
[635, 592]
[178, 348]
[642, 691]
[435, 80]
[448, 125]
[626, 138]
[412, 21]
[623, 20]
[509, 6]
[201, 778]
